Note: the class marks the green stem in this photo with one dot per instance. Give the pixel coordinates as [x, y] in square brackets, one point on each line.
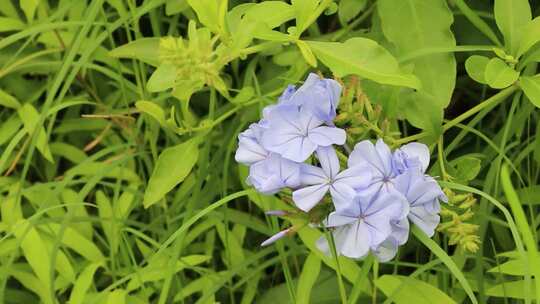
[493, 100]
[342, 293]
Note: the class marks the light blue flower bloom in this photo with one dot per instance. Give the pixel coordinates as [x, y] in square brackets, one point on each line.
[250, 149]
[412, 155]
[273, 174]
[296, 134]
[365, 225]
[318, 95]
[380, 161]
[422, 194]
[342, 185]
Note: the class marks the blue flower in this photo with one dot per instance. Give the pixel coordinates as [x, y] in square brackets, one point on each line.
[320, 96]
[342, 185]
[250, 149]
[365, 225]
[273, 174]
[411, 156]
[380, 161]
[296, 134]
[423, 194]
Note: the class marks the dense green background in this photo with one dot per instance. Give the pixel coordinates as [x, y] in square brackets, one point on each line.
[118, 125]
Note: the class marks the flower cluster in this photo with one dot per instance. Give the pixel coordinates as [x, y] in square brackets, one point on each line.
[374, 198]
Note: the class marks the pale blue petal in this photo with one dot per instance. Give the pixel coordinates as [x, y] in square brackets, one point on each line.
[387, 250]
[343, 197]
[326, 136]
[311, 175]
[354, 240]
[336, 219]
[306, 198]
[356, 177]
[425, 220]
[418, 151]
[329, 161]
[365, 152]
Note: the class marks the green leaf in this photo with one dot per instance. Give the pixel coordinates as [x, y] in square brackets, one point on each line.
[531, 35]
[8, 24]
[83, 283]
[152, 109]
[348, 9]
[144, 49]
[8, 101]
[404, 290]
[511, 289]
[271, 13]
[512, 16]
[117, 296]
[306, 52]
[416, 24]
[210, 13]
[530, 195]
[476, 67]
[245, 95]
[443, 256]
[173, 7]
[363, 57]
[173, 165]
[531, 88]
[30, 118]
[35, 251]
[499, 75]
[29, 8]
[304, 10]
[308, 277]
[157, 269]
[465, 168]
[163, 78]
[78, 243]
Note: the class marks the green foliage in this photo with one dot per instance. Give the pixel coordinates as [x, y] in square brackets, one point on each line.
[119, 121]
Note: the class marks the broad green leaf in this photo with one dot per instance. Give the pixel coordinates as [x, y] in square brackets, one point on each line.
[514, 267]
[117, 296]
[512, 16]
[83, 283]
[144, 49]
[421, 111]
[29, 8]
[404, 290]
[211, 13]
[304, 12]
[173, 7]
[8, 101]
[511, 289]
[11, 206]
[476, 67]
[9, 127]
[416, 24]
[271, 13]
[35, 251]
[173, 165]
[348, 9]
[465, 168]
[308, 277]
[32, 283]
[68, 151]
[80, 244]
[151, 109]
[499, 75]
[531, 35]
[363, 57]
[30, 118]
[531, 88]
[8, 24]
[163, 78]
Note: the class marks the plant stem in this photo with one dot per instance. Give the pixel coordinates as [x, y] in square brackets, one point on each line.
[493, 100]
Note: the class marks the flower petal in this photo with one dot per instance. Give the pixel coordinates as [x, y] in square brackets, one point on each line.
[354, 240]
[356, 177]
[343, 197]
[365, 152]
[306, 198]
[329, 161]
[425, 220]
[336, 219]
[326, 136]
[419, 151]
[387, 250]
[311, 175]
